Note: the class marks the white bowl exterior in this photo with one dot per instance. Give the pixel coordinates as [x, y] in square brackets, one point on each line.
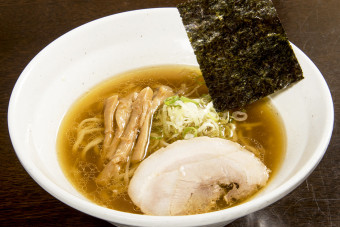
[82, 58]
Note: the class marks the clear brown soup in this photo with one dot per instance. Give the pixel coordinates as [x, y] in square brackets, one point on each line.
[262, 129]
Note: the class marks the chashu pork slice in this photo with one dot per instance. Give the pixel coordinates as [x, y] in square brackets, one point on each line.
[191, 176]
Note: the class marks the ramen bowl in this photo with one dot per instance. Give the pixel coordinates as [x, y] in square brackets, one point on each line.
[82, 58]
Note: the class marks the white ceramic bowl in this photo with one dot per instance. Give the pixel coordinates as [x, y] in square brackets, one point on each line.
[91, 53]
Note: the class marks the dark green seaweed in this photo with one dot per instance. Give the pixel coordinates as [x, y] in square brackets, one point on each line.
[242, 49]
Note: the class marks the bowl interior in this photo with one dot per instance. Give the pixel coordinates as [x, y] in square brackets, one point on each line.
[84, 57]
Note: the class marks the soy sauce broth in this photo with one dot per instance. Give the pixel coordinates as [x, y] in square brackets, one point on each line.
[263, 129]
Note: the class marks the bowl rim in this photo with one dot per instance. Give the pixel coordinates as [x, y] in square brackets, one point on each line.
[145, 220]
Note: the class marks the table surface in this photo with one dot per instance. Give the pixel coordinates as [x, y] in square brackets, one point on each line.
[27, 26]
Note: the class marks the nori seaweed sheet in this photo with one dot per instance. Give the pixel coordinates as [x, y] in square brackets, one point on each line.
[242, 49]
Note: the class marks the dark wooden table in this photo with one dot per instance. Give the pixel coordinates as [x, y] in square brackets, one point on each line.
[27, 26]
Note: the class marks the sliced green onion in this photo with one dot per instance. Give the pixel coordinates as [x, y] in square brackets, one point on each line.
[190, 130]
[239, 116]
[179, 119]
[185, 100]
[171, 100]
[212, 117]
